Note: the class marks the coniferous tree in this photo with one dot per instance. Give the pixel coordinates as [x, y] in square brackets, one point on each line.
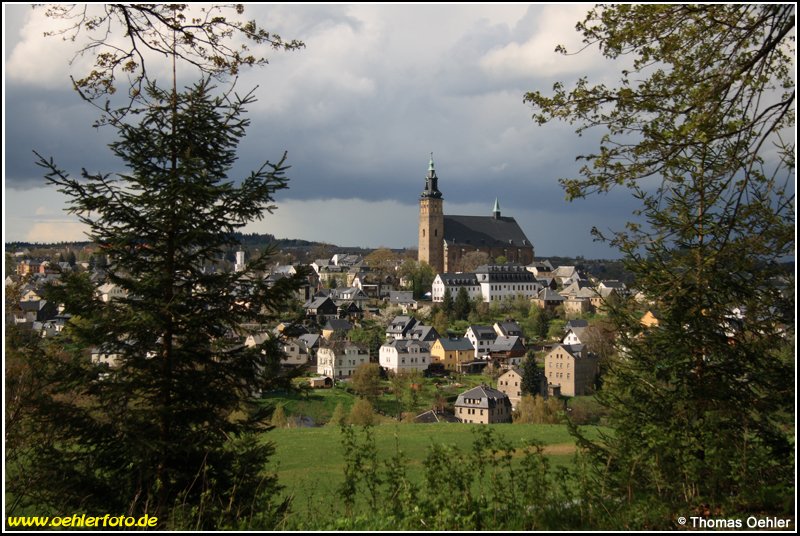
[447, 303]
[172, 428]
[532, 377]
[462, 305]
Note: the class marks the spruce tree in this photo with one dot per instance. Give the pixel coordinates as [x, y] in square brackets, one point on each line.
[447, 303]
[532, 377]
[172, 429]
[462, 305]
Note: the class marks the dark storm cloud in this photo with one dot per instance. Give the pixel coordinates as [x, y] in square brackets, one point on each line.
[359, 111]
[54, 123]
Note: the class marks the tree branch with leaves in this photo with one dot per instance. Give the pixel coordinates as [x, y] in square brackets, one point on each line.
[699, 129]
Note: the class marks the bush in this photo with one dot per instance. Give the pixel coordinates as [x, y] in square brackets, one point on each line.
[362, 413]
[537, 410]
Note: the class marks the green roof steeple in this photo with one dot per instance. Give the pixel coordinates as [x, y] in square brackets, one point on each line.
[431, 182]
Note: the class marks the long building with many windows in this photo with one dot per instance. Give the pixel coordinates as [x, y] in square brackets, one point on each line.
[489, 283]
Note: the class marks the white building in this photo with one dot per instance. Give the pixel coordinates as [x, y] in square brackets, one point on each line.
[239, 266]
[506, 282]
[489, 283]
[574, 337]
[405, 355]
[340, 359]
[453, 283]
[481, 337]
[110, 291]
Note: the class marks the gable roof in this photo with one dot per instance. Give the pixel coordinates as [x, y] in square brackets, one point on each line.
[550, 295]
[484, 231]
[337, 324]
[483, 333]
[575, 350]
[423, 333]
[578, 332]
[430, 417]
[564, 271]
[505, 344]
[309, 340]
[400, 325]
[452, 344]
[486, 396]
[507, 327]
[316, 303]
[586, 293]
[576, 323]
[515, 370]
[401, 296]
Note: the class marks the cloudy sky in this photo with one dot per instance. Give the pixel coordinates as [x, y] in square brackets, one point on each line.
[359, 110]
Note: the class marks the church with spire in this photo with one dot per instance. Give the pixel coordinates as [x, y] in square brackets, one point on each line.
[444, 240]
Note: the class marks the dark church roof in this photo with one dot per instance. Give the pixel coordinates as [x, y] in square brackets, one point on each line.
[484, 231]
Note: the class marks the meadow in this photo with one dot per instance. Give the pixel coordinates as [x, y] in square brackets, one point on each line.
[309, 462]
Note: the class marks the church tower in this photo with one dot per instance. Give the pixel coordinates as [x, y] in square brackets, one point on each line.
[431, 222]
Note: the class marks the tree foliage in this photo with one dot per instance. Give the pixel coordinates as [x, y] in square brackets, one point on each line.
[211, 38]
[447, 303]
[474, 489]
[532, 377]
[472, 260]
[362, 413]
[366, 381]
[339, 416]
[170, 430]
[462, 305]
[420, 275]
[382, 261]
[699, 130]
[533, 409]
[369, 334]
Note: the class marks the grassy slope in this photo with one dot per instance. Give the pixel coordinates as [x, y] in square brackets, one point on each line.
[309, 461]
[319, 404]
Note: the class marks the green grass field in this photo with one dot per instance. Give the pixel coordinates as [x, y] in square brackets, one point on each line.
[309, 461]
[319, 404]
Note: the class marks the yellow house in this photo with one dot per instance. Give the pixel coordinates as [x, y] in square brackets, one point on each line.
[649, 320]
[452, 352]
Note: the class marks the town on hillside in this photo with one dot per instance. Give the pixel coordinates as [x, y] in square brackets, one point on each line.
[475, 308]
